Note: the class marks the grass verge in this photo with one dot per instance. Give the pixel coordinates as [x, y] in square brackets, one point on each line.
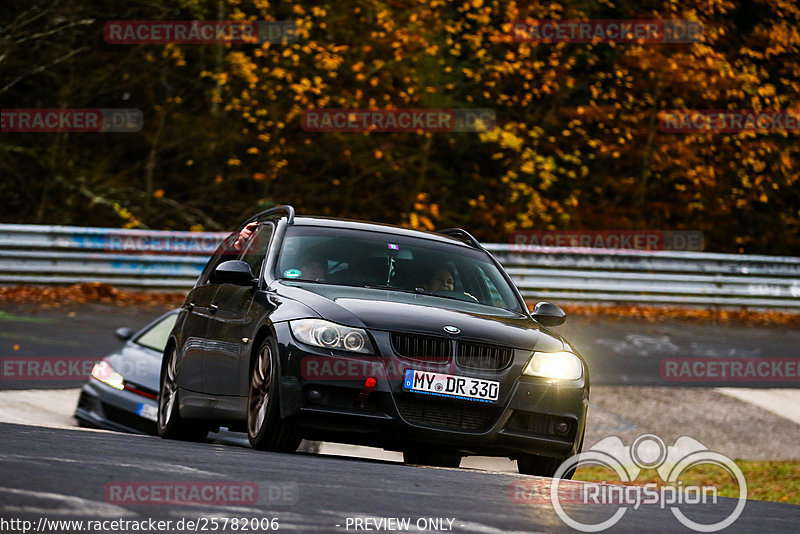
[769, 480]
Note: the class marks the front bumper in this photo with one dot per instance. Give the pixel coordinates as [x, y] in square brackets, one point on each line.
[102, 406]
[530, 417]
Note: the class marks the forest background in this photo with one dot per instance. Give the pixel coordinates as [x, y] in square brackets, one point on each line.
[578, 144]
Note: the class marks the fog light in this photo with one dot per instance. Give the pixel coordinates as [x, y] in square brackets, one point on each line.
[314, 395]
[562, 428]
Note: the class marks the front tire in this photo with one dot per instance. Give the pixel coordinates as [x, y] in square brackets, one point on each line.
[542, 466]
[545, 466]
[266, 431]
[169, 422]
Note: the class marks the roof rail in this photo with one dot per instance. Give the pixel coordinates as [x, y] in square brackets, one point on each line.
[289, 210]
[462, 235]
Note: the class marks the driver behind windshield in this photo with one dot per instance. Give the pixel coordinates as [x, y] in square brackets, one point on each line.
[441, 280]
[313, 269]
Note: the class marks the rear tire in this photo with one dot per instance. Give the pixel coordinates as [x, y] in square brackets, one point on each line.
[169, 422]
[434, 458]
[266, 431]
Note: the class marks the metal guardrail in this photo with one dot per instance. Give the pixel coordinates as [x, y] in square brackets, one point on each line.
[31, 254]
[654, 277]
[172, 261]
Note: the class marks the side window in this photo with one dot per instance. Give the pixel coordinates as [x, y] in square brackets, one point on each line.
[256, 248]
[225, 251]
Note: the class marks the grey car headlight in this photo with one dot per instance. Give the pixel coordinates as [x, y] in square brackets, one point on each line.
[560, 365]
[106, 374]
[330, 335]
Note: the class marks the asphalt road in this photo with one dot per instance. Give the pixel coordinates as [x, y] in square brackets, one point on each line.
[51, 474]
[70, 474]
[619, 351]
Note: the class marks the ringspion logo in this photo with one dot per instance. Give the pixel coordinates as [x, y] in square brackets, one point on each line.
[670, 462]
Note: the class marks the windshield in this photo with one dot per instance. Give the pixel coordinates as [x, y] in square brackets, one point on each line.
[400, 263]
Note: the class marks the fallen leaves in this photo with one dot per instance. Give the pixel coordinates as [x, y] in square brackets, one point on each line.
[667, 313]
[56, 296]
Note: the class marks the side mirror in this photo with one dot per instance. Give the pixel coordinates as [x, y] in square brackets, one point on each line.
[234, 272]
[124, 333]
[548, 314]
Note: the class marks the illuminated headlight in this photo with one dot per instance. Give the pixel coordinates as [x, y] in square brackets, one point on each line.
[562, 365]
[331, 335]
[107, 375]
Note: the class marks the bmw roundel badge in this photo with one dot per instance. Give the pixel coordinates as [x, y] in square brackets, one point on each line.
[452, 330]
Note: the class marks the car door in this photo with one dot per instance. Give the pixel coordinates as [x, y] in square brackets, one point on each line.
[228, 345]
[199, 312]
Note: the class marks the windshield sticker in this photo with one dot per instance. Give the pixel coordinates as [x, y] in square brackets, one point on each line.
[292, 273]
[392, 246]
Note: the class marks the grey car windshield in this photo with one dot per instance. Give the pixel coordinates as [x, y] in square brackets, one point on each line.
[156, 336]
[387, 261]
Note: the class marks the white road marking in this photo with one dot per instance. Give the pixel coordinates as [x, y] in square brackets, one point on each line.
[780, 401]
[146, 466]
[64, 505]
[49, 408]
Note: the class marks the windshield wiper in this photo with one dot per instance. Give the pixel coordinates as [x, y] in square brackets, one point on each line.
[417, 290]
[310, 281]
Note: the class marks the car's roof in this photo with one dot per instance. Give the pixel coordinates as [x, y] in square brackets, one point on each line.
[330, 222]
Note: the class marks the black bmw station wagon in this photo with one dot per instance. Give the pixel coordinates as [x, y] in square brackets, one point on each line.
[337, 330]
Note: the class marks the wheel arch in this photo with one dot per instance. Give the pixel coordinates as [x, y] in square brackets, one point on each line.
[264, 331]
[171, 343]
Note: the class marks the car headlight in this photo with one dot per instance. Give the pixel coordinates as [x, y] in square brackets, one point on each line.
[561, 365]
[331, 335]
[107, 375]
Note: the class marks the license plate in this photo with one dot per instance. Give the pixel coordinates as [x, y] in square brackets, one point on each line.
[455, 387]
[148, 411]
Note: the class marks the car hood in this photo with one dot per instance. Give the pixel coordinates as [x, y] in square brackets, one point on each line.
[399, 311]
[137, 364]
